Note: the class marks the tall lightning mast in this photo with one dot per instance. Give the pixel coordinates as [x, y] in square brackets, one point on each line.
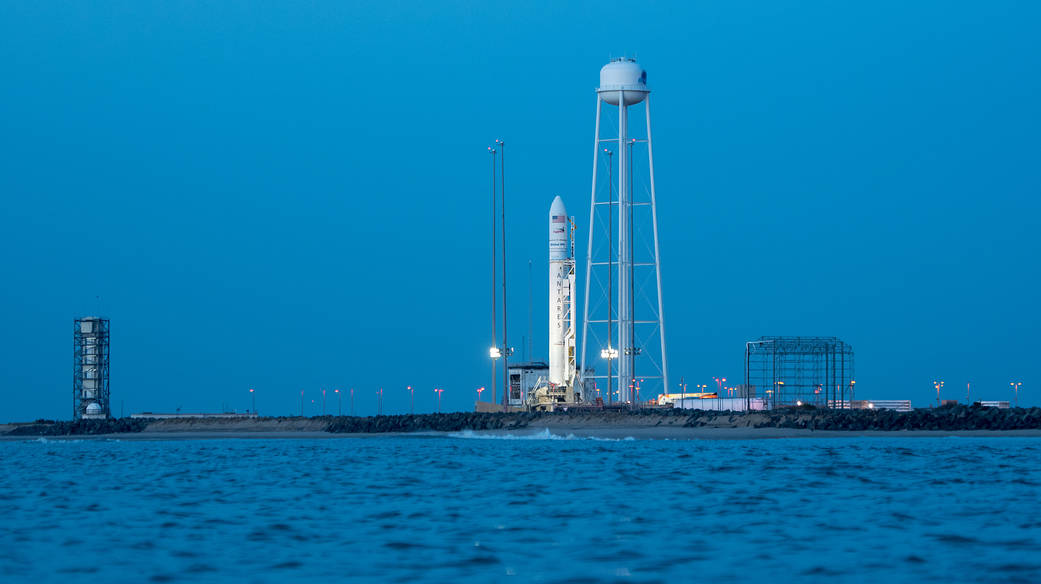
[506, 350]
[494, 350]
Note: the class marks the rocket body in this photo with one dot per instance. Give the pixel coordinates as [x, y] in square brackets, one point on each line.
[561, 288]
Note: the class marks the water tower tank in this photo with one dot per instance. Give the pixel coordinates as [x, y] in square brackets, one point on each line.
[626, 75]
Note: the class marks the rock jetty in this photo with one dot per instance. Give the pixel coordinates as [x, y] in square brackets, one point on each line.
[78, 427]
[951, 418]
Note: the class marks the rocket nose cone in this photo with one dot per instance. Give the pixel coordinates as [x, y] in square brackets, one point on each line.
[557, 208]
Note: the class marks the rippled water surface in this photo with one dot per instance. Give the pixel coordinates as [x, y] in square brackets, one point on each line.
[466, 509]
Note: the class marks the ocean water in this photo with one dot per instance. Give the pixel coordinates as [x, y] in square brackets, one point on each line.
[467, 508]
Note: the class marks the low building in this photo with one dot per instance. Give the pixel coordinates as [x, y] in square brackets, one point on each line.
[900, 405]
[524, 377]
[1004, 405]
[718, 404]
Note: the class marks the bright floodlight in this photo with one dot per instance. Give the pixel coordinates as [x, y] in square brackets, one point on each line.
[609, 353]
[494, 353]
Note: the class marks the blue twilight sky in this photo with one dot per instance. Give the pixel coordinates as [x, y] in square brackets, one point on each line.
[294, 195]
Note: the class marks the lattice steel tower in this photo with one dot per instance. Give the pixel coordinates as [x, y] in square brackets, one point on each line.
[90, 348]
[623, 325]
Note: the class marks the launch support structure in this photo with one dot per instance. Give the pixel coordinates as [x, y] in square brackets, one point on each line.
[90, 368]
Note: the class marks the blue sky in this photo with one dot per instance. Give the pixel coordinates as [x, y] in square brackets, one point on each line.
[295, 196]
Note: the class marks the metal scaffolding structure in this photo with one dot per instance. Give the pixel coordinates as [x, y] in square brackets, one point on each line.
[90, 368]
[794, 371]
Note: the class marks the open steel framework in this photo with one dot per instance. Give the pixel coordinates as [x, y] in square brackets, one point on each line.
[90, 366]
[791, 371]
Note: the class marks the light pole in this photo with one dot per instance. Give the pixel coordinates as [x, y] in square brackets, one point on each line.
[352, 401]
[479, 390]
[253, 395]
[968, 395]
[494, 352]
[938, 385]
[719, 388]
[301, 403]
[632, 350]
[507, 352]
[609, 353]
[379, 402]
[323, 402]
[438, 391]
[411, 400]
[339, 402]
[1015, 389]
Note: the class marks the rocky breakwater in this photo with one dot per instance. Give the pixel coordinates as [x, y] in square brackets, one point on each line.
[955, 418]
[457, 421]
[78, 427]
[952, 418]
[448, 422]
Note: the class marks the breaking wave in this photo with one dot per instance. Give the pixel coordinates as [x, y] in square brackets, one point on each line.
[545, 434]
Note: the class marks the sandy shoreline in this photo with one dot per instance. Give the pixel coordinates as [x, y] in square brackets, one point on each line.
[636, 432]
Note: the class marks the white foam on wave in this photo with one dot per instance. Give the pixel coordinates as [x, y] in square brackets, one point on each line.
[545, 434]
[44, 440]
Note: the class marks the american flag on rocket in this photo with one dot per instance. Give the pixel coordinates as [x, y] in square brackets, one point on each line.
[559, 218]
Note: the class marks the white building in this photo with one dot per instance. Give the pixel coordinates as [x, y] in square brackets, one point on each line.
[524, 377]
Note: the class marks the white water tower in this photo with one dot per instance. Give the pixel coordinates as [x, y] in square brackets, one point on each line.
[623, 325]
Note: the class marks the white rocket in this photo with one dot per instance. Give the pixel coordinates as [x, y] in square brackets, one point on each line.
[561, 305]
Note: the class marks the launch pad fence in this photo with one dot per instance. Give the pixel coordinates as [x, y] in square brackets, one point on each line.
[793, 371]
